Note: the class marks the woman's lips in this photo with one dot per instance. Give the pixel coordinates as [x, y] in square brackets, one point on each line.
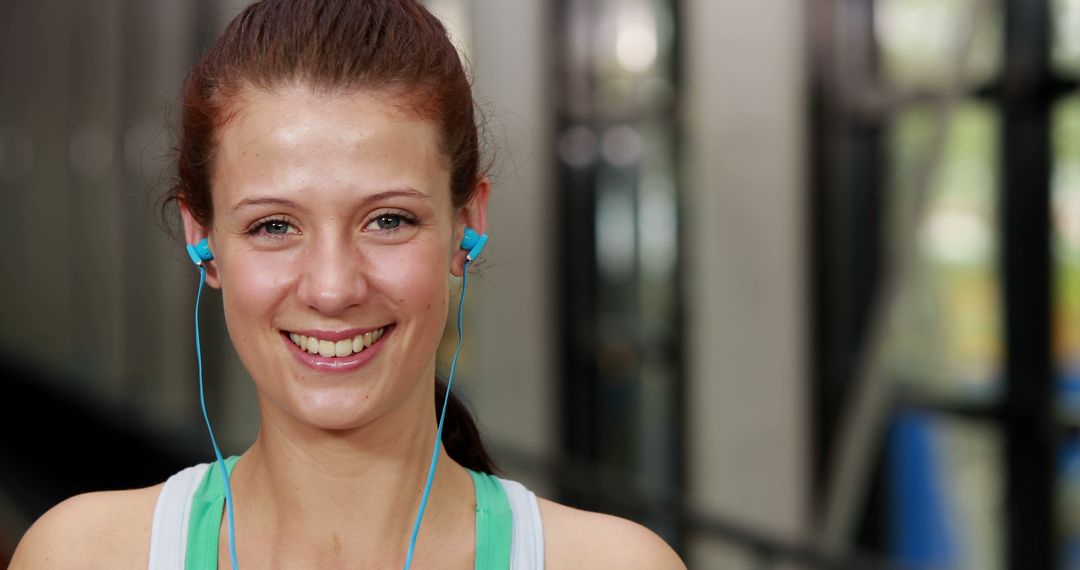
[336, 364]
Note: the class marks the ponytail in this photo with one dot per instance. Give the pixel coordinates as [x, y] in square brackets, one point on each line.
[461, 438]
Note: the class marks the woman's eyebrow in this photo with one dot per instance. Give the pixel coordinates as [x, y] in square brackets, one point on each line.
[287, 203]
[263, 201]
[404, 192]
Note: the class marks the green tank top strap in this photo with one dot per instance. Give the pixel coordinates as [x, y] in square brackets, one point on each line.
[494, 521]
[204, 524]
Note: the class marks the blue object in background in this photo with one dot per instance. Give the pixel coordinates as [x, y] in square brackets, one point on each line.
[1069, 471]
[921, 532]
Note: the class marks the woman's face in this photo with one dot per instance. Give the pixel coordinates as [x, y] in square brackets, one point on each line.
[334, 238]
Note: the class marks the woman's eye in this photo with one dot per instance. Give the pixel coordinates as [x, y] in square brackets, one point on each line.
[277, 227]
[387, 222]
[273, 228]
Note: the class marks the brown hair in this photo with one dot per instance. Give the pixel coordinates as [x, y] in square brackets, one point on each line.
[394, 47]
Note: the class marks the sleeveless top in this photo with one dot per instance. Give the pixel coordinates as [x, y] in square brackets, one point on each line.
[187, 520]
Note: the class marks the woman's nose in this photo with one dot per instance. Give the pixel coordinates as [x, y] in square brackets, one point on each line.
[332, 278]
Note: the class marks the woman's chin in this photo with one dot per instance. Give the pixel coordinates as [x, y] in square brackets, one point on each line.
[339, 424]
[345, 405]
[338, 416]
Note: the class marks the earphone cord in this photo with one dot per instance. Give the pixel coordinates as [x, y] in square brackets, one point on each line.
[217, 452]
[442, 419]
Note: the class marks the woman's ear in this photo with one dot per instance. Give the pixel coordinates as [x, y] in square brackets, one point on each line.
[474, 215]
[193, 233]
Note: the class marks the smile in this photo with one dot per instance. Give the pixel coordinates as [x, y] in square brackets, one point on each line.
[337, 348]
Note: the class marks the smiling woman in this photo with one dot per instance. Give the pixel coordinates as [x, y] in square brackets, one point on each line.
[329, 158]
[336, 223]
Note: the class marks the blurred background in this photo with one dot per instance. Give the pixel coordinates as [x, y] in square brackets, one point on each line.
[794, 283]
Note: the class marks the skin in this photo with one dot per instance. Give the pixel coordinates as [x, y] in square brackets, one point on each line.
[333, 211]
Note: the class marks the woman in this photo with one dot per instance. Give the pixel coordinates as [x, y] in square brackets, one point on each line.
[329, 157]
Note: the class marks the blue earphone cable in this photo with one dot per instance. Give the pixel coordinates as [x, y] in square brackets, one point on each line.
[213, 440]
[442, 419]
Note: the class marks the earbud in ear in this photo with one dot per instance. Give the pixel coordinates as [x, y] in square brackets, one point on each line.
[200, 252]
[473, 243]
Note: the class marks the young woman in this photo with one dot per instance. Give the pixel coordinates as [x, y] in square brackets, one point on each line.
[329, 157]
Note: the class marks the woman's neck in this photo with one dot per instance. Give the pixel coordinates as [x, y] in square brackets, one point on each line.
[356, 490]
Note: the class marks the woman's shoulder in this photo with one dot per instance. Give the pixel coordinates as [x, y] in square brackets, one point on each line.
[581, 539]
[87, 529]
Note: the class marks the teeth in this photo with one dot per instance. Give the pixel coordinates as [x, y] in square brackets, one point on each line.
[341, 348]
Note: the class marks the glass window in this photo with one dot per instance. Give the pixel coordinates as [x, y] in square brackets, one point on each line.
[1065, 201]
[947, 337]
[919, 40]
[1065, 43]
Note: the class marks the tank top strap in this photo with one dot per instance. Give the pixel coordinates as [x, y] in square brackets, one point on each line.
[205, 523]
[494, 523]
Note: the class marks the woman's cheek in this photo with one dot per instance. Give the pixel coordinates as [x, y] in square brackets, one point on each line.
[258, 280]
[417, 277]
[253, 289]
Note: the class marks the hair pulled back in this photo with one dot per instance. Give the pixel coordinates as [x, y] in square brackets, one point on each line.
[395, 48]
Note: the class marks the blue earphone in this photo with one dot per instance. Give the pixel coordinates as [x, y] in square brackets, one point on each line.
[200, 253]
[473, 242]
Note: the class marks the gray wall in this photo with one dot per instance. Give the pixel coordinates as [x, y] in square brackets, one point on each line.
[748, 382]
[513, 387]
[98, 295]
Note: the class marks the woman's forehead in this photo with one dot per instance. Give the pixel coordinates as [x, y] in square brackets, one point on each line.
[297, 138]
[293, 116]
